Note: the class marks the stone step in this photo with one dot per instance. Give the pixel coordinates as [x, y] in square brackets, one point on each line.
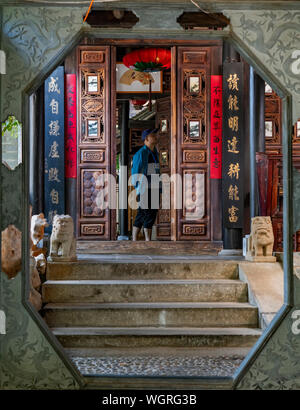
[216, 314]
[143, 337]
[150, 248]
[86, 269]
[140, 291]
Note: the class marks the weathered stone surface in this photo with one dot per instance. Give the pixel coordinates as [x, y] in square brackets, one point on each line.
[11, 251]
[145, 291]
[62, 241]
[35, 299]
[34, 274]
[261, 240]
[41, 263]
[86, 337]
[151, 314]
[93, 270]
[266, 288]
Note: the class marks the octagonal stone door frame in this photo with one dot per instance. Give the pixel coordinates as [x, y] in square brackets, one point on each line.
[246, 53]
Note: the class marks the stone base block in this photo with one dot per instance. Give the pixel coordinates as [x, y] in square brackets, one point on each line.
[260, 258]
[61, 259]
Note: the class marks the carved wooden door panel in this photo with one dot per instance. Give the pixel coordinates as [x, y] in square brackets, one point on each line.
[93, 141]
[163, 122]
[193, 85]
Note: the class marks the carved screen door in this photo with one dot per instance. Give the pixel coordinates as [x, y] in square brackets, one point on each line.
[94, 141]
[184, 142]
[192, 141]
[163, 122]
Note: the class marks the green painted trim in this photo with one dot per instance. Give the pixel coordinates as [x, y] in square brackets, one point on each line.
[263, 72]
[287, 165]
[250, 57]
[26, 228]
[260, 344]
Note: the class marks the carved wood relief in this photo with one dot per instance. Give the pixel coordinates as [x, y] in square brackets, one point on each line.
[193, 194]
[272, 122]
[92, 105]
[194, 99]
[163, 117]
[194, 156]
[88, 57]
[88, 155]
[193, 68]
[196, 229]
[93, 140]
[92, 229]
[92, 185]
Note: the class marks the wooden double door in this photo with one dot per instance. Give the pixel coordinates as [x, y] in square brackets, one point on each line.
[184, 138]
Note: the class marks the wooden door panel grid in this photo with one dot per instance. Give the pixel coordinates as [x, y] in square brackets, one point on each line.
[93, 140]
[193, 74]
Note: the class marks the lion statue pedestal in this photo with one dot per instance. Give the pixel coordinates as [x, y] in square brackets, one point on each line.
[261, 240]
[62, 241]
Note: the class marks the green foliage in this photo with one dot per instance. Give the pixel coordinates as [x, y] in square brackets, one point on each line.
[11, 125]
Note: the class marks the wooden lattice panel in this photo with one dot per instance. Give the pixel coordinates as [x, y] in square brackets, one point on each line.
[94, 140]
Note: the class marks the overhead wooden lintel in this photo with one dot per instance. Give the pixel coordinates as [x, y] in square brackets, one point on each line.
[112, 18]
[197, 20]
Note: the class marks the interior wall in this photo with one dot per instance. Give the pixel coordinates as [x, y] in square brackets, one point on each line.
[32, 37]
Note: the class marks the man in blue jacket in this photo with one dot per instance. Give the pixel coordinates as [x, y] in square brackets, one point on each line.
[145, 164]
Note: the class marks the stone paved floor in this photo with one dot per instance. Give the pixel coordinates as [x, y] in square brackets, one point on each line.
[211, 363]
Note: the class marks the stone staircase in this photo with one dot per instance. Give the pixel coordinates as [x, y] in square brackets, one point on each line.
[100, 304]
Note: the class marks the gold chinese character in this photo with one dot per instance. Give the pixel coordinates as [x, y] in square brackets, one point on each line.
[232, 145]
[53, 174]
[233, 82]
[53, 86]
[53, 150]
[233, 103]
[233, 193]
[233, 217]
[54, 128]
[54, 106]
[233, 123]
[234, 170]
[54, 196]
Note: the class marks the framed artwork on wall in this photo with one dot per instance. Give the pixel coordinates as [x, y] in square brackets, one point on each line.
[131, 81]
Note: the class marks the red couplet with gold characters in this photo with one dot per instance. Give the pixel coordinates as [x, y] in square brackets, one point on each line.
[216, 127]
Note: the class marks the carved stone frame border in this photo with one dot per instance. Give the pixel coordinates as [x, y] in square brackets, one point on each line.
[287, 128]
[223, 382]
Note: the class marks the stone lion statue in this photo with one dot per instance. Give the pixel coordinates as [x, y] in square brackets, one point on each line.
[261, 239]
[62, 241]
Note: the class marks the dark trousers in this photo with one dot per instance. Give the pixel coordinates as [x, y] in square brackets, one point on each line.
[146, 217]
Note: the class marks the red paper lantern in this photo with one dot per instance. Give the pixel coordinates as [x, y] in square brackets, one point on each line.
[138, 104]
[148, 59]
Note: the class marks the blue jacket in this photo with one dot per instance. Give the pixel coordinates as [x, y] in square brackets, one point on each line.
[140, 166]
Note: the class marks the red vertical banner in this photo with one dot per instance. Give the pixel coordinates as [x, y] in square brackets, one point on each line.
[216, 127]
[70, 127]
